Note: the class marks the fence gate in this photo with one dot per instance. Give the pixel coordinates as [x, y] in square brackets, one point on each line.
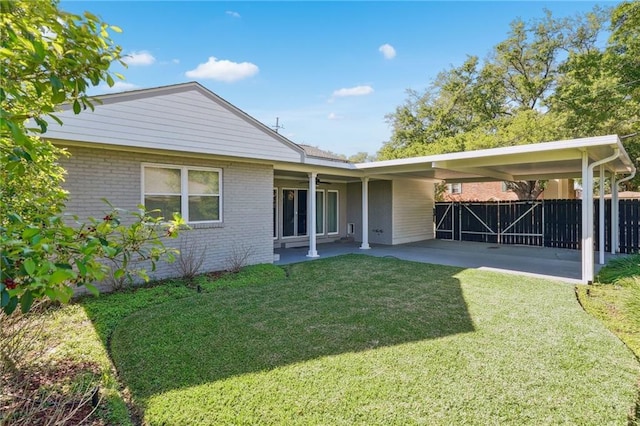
[518, 222]
[445, 215]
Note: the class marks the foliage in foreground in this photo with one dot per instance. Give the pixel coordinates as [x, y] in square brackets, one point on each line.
[50, 58]
[360, 340]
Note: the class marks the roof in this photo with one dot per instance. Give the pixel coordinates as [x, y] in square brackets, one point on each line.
[313, 151]
[545, 160]
[188, 118]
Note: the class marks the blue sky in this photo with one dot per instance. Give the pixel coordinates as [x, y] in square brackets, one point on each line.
[330, 70]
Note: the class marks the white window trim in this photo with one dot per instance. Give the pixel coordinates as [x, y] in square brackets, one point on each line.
[276, 213]
[337, 211]
[184, 188]
[324, 211]
[450, 187]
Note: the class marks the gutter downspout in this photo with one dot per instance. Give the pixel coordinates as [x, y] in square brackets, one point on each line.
[603, 237]
[587, 195]
[614, 228]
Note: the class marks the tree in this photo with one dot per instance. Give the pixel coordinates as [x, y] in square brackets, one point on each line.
[599, 90]
[50, 57]
[362, 157]
[533, 87]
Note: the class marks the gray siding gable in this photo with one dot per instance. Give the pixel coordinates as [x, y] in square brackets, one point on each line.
[184, 118]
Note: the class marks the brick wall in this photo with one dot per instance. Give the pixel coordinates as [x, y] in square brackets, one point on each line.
[492, 191]
[93, 174]
[481, 191]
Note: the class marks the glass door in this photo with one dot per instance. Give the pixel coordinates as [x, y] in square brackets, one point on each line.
[294, 212]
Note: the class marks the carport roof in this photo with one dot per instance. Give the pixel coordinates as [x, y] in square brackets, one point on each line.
[546, 160]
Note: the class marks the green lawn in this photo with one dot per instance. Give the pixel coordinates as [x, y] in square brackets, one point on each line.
[362, 340]
[615, 299]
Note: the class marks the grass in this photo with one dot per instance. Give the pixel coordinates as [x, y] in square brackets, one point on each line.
[77, 336]
[361, 340]
[71, 339]
[615, 300]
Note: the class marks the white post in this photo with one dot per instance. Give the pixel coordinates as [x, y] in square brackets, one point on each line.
[590, 255]
[615, 231]
[365, 214]
[311, 215]
[602, 237]
[587, 201]
[586, 250]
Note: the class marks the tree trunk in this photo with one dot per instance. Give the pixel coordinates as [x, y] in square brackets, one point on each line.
[526, 189]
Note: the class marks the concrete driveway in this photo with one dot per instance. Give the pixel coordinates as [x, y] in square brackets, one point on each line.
[558, 264]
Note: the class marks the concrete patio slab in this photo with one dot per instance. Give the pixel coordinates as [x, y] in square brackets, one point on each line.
[558, 264]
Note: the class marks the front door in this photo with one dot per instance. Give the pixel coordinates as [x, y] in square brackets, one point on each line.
[294, 212]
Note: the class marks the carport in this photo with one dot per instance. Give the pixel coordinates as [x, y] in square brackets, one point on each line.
[576, 158]
[544, 262]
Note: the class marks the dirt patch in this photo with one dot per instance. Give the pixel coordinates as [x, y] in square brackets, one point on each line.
[65, 393]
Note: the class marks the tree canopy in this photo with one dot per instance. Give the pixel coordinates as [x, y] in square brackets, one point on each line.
[548, 80]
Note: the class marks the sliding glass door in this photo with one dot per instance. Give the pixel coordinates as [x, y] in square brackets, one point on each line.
[294, 212]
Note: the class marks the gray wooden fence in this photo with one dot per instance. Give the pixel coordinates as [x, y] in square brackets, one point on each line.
[548, 223]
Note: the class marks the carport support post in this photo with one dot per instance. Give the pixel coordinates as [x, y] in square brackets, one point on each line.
[365, 214]
[311, 227]
[614, 215]
[587, 205]
[601, 235]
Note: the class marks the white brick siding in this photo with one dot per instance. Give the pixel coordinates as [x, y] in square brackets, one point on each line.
[93, 174]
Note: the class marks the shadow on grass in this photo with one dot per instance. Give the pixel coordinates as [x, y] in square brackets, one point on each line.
[327, 307]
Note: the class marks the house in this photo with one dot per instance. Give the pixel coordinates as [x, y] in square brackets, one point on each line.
[497, 191]
[242, 186]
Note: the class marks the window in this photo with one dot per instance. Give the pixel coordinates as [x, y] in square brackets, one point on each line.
[192, 192]
[320, 212]
[294, 212]
[332, 212]
[454, 188]
[293, 215]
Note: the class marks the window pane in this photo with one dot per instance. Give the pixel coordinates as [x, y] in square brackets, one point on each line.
[288, 212]
[320, 212]
[166, 204]
[302, 212]
[159, 180]
[204, 208]
[332, 212]
[203, 182]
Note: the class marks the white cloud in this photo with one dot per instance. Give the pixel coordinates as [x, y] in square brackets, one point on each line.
[233, 14]
[139, 58]
[388, 51]
[334, 116]
[175, 61]
[118, 86]
[352, 91]
[223, 70]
